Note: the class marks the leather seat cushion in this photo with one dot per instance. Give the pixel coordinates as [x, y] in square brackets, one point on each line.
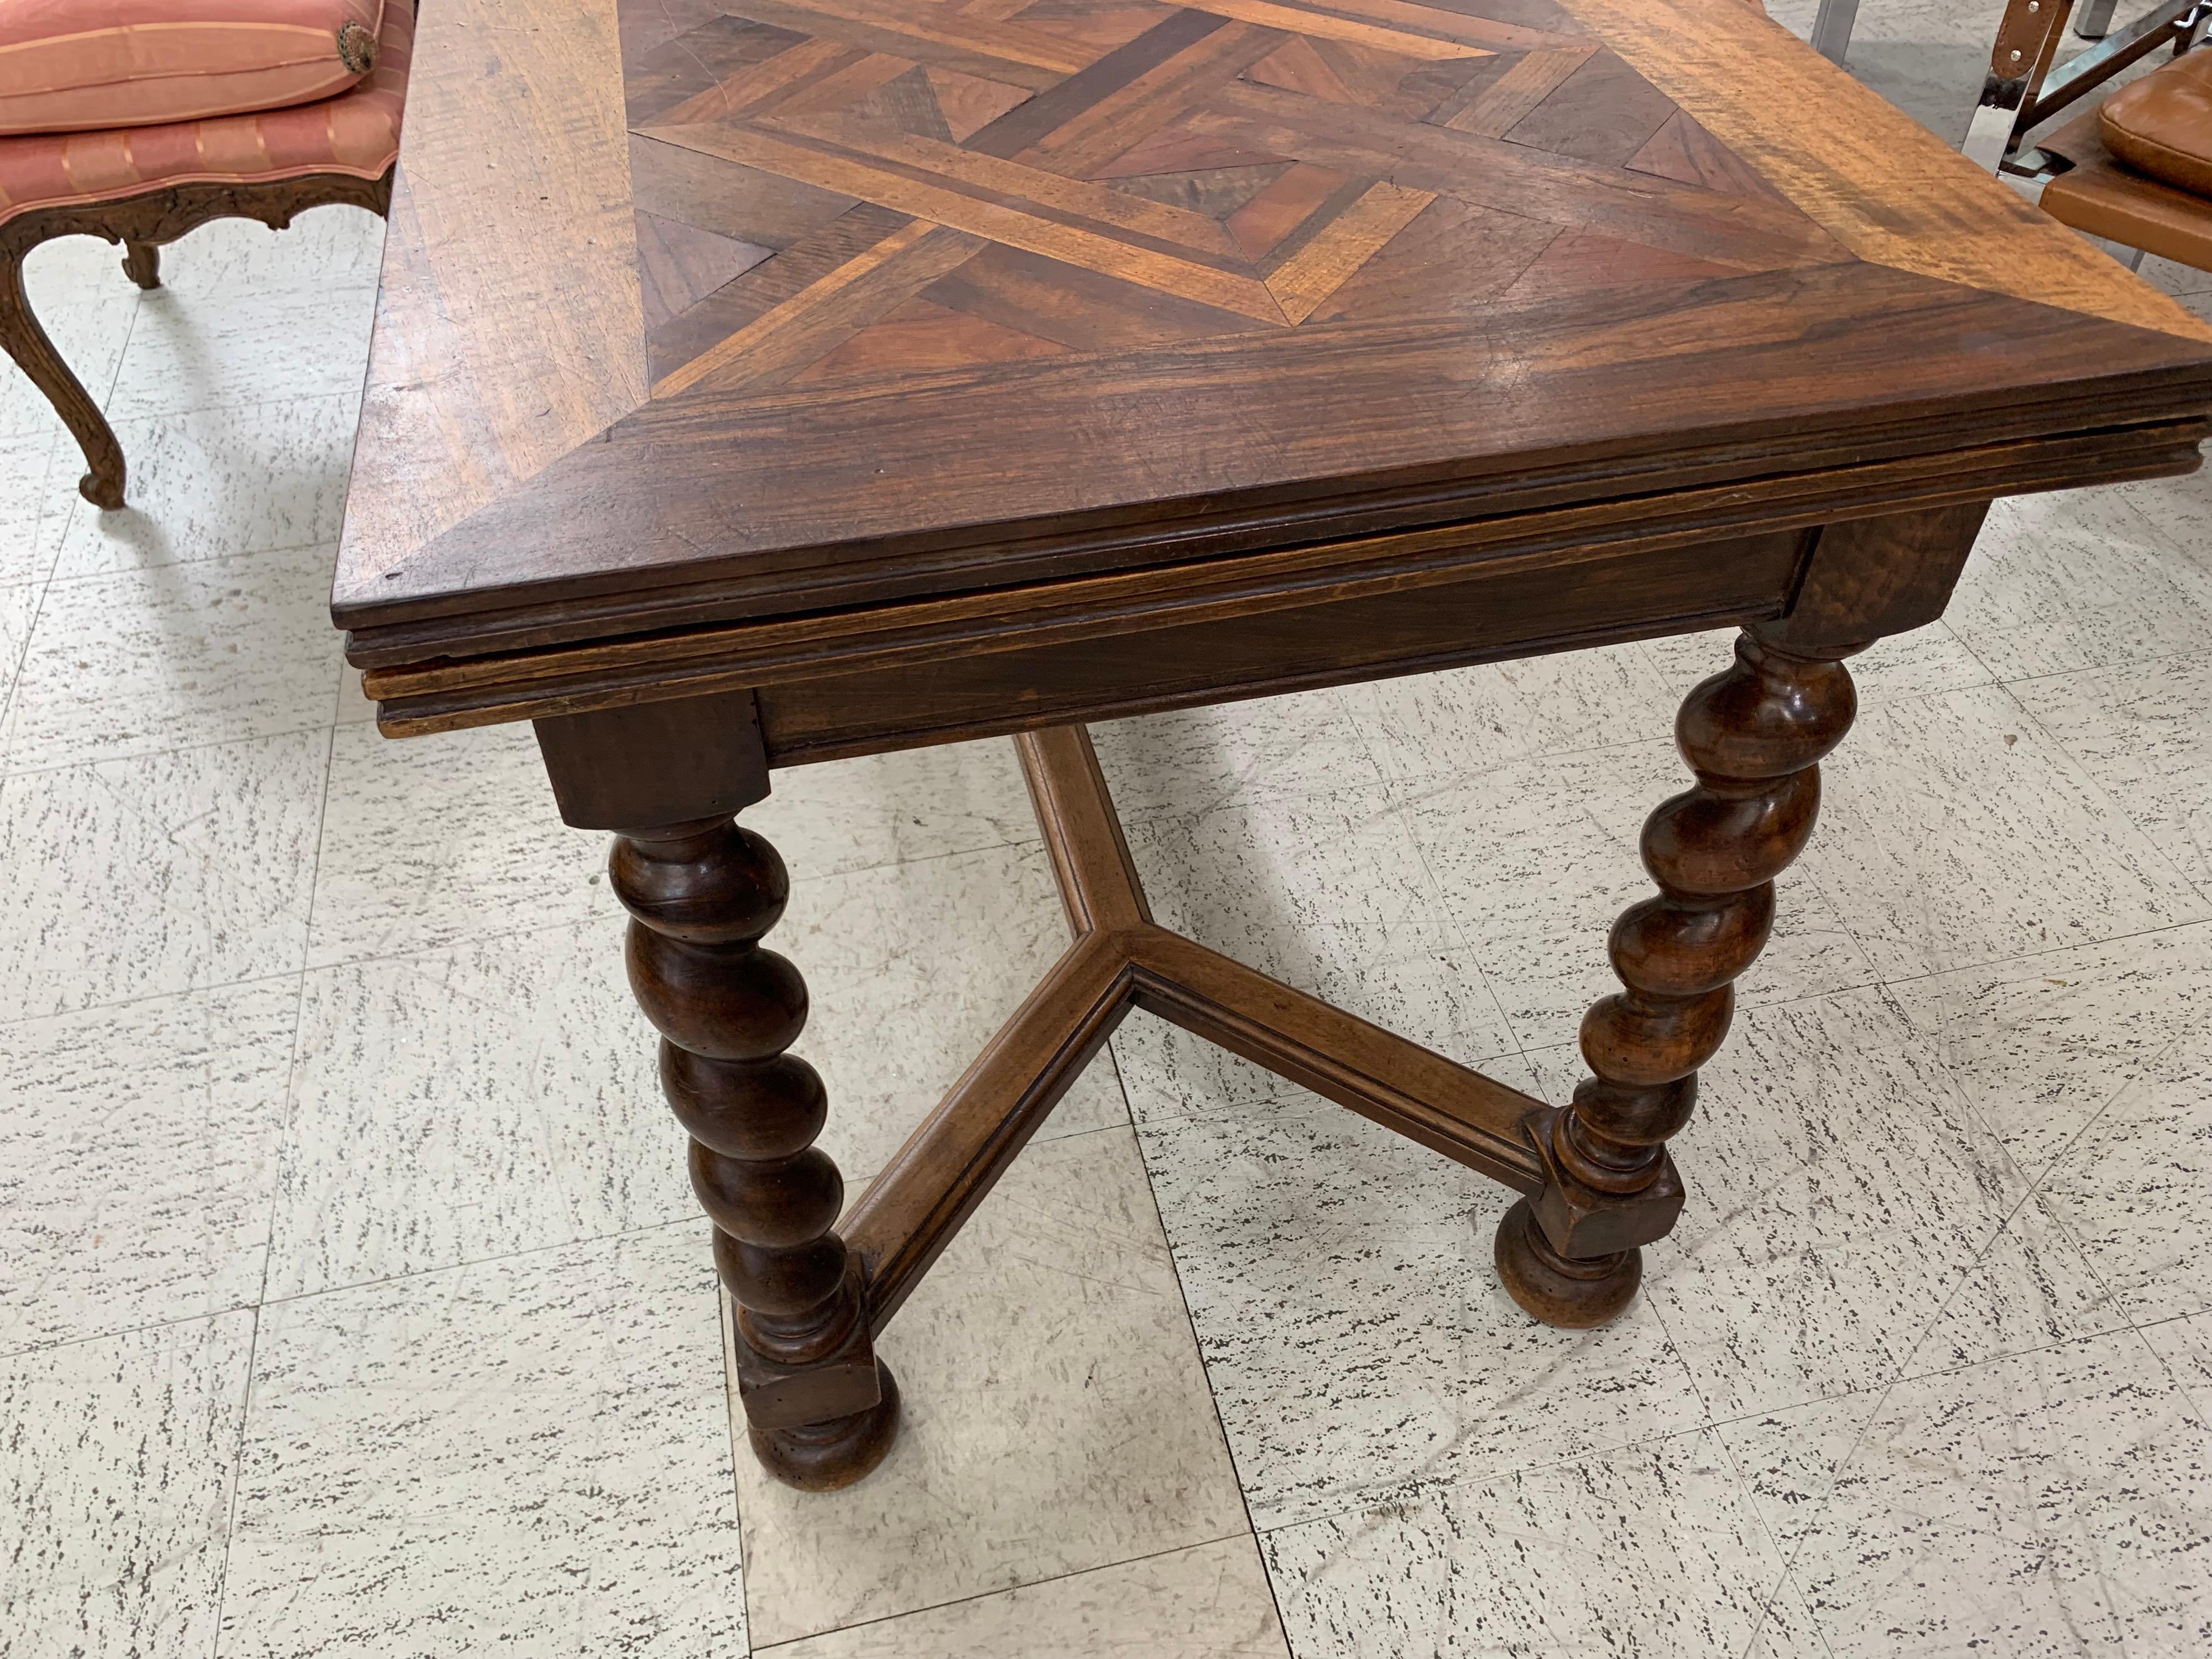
[2162, 123]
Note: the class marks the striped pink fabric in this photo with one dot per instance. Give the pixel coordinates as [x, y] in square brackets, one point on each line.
[81, 65]
[356, 132]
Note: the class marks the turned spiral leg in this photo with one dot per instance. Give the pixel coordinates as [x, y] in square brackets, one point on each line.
[1754, 736]
[821, 1409]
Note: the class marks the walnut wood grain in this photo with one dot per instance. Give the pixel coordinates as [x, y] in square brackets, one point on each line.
[508, 328]
[1039, 281]
[1886, 187]
[1159, 638]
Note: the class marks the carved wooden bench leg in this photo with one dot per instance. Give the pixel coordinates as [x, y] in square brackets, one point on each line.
[34, 354]
[702, 891]
[1754, 736]
[142, 263]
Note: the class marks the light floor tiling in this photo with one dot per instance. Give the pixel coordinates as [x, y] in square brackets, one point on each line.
[355, 1302]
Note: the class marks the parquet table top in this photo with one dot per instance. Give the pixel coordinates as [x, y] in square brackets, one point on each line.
[702, 310]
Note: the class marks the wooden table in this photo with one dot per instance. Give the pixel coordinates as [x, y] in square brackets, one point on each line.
[758, 382]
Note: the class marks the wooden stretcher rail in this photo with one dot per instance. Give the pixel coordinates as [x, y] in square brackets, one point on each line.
[1121, 959]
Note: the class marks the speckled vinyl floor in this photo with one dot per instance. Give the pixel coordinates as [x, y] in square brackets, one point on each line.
[352, 1302]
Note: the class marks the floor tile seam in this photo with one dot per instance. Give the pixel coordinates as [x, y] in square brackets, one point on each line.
[76, 504]
[2179, 1386]
[53, 507]
[692, 1217]
[1413, 793]
[2133, 660]
[1287, 1097]
[183, 287]
[1432, 786]
[288, 1108]
[51, 423]
[2120, 1300]
[2118, 496]
[85, 762]
[609, 913]
[1413, 1489]
[1749, 1497]
[1008, 1589]
[1907, 1376]
[1475, 956]
[1799, 871]
[1789, 1581]
[733, 1414]
[197, 1316]
[803, 881]
[315, 874]
[1457, 931]
[1928, 1046]
[1238, 797]
[269, 1229]
[1299, 1099]
[17, 1022]
[1967, 646]
[125, 572]
[228, 406]
[2181, 1376]
[237, 1480]
[1993, 964]
[284, 1099]
[857, 1182]
[1961, 1275]
[1794, 1553]
[1808, 871]
[1205, 1372]
[2117, 808]
[2042, 1179]
[2023, 957]
[1745, 1492]
[167, 418]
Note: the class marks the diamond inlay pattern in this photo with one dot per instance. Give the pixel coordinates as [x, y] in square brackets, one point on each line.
[852, 189]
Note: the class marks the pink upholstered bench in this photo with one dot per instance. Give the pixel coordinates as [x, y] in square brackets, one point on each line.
[219, 81]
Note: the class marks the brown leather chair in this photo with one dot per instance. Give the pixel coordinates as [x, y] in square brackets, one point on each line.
[2138, 169]
[2134, 167]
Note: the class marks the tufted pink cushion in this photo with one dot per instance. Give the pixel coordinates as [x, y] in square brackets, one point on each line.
[77, 65]
[356, 132]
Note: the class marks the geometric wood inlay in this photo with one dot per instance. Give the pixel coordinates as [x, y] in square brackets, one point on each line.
[982, 182]
[787, 304]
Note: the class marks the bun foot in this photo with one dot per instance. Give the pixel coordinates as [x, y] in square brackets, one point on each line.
[824, 1456]
[1574, 1296]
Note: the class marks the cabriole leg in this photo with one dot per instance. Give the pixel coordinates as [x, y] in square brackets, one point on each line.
[34, 354]
[142, 263]
[1754, 736]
